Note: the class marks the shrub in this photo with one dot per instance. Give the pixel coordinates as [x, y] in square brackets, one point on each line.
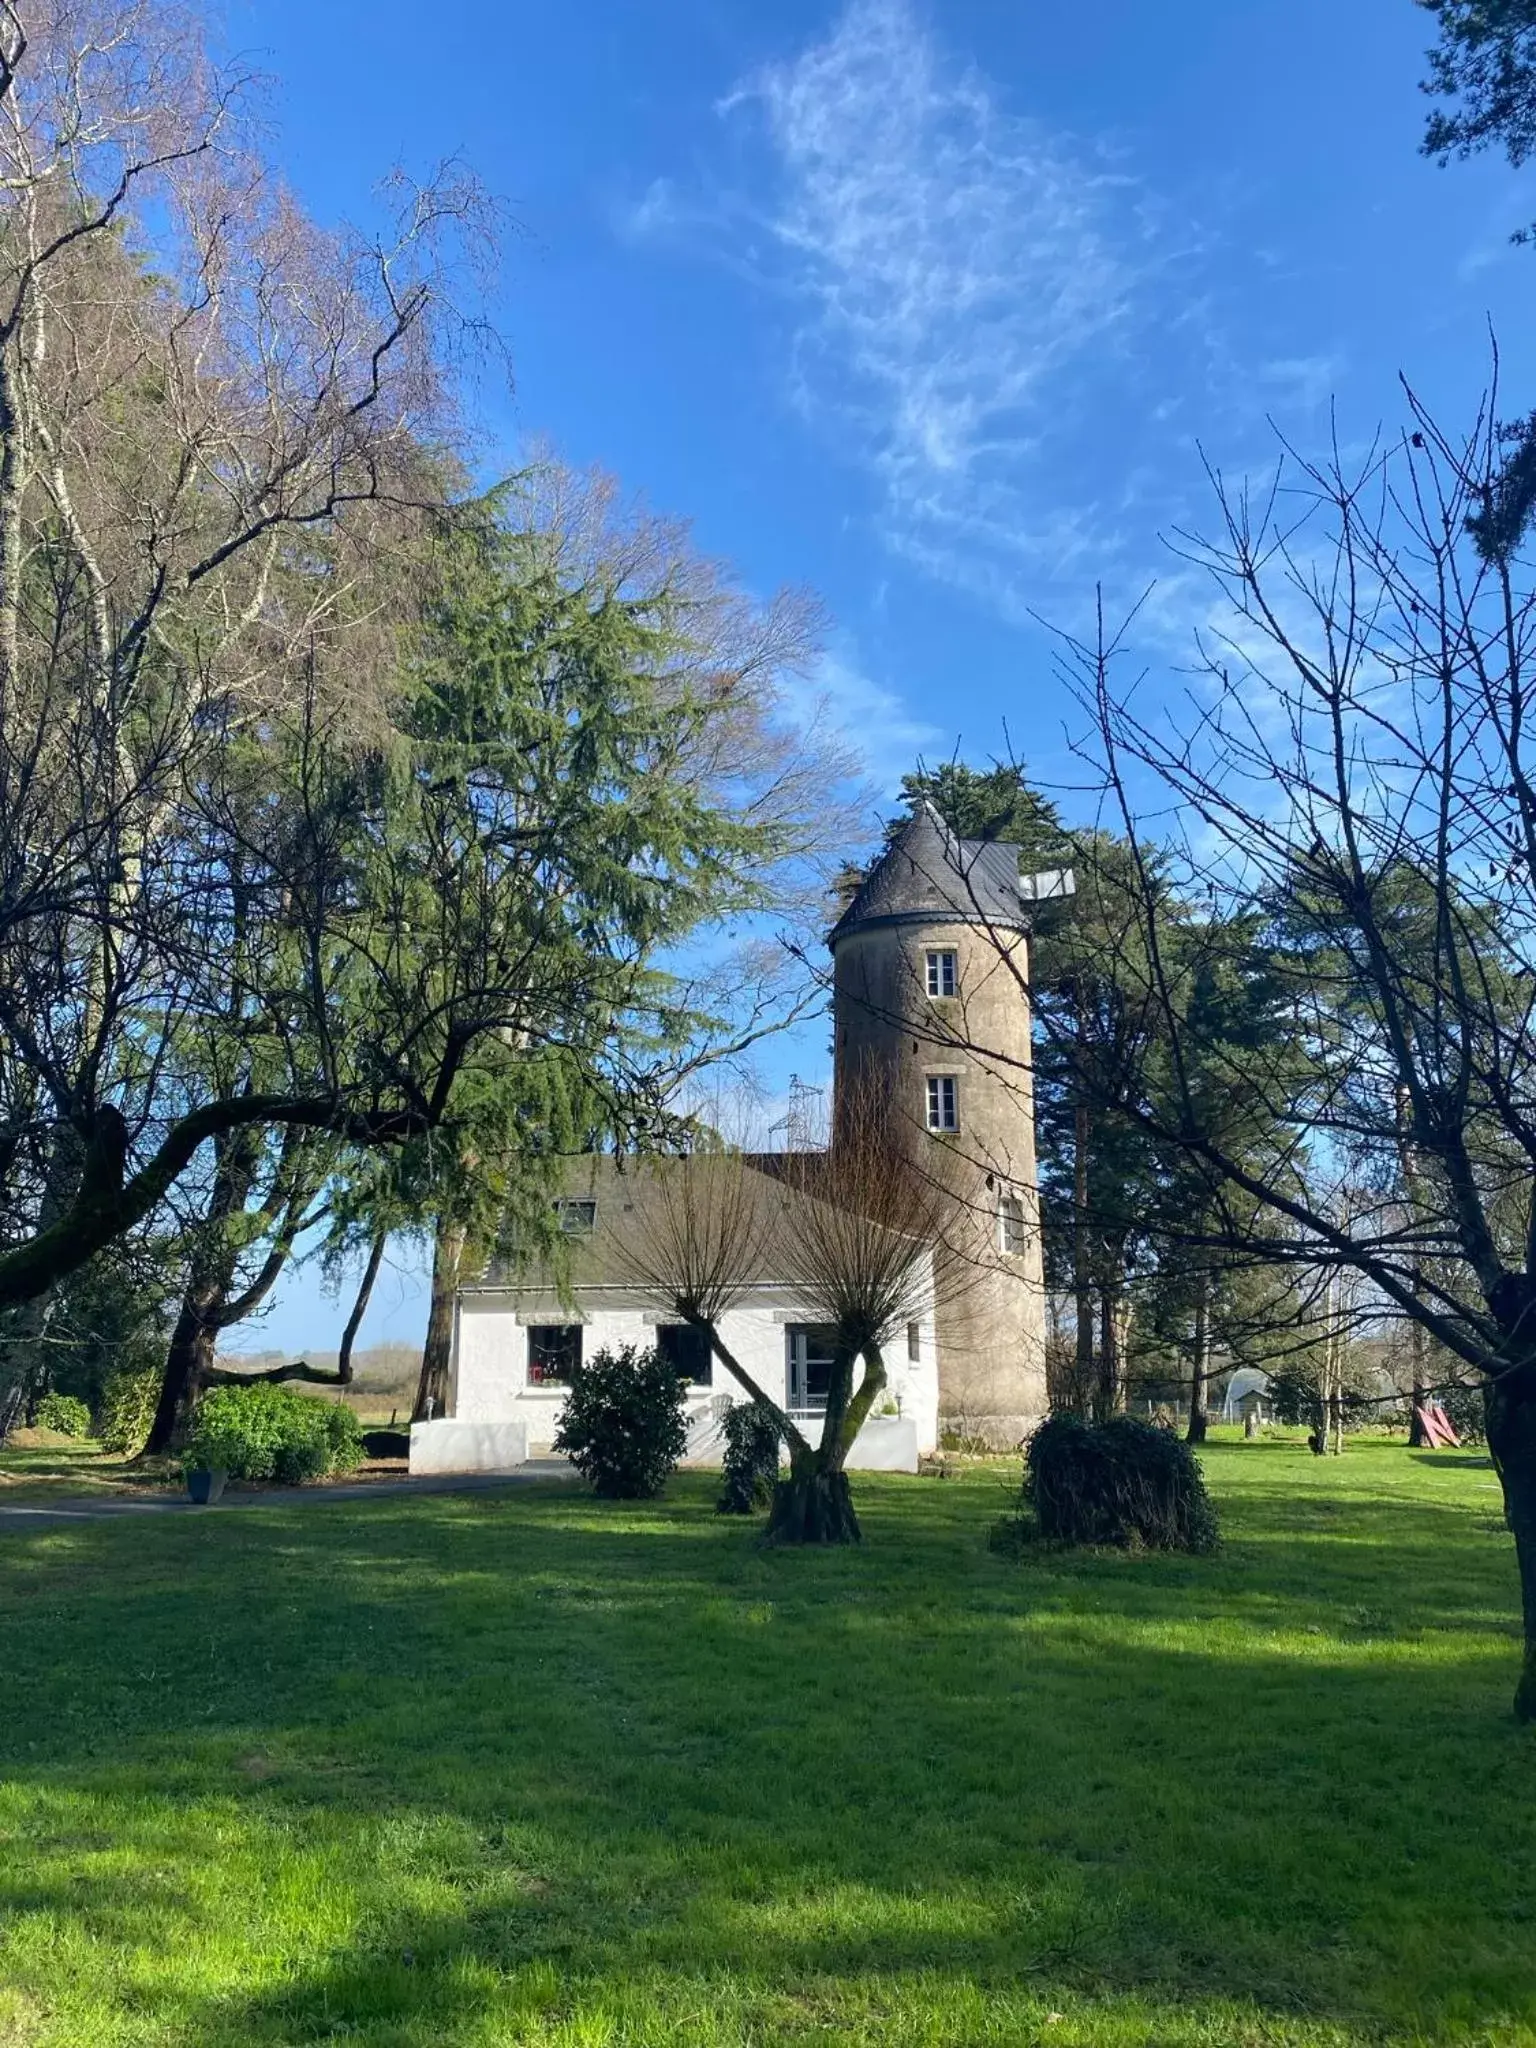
[751, 1463]
[64, 1414]
[1464, 1407]
[269, 1432]
[128, 1408]
[1120, 1481]
[623, 1425]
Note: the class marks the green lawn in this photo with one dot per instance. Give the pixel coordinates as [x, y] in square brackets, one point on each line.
[528, 1768]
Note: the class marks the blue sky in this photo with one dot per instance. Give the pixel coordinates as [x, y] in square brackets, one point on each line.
[928, 307]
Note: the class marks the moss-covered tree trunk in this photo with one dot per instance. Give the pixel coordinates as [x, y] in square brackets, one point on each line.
[815, 1503]
[210, 1274]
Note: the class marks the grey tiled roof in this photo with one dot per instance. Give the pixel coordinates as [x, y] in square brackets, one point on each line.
[927, 871]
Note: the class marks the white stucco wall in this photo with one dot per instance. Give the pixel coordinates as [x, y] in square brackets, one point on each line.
[491, 1361]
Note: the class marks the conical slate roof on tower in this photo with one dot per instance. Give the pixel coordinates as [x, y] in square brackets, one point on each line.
[929, 874]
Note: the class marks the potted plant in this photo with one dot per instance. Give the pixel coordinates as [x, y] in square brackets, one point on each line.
[205, 1483]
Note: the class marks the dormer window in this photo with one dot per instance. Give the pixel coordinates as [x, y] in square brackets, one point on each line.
[941, 974]
[576, 1217]
[943, 1102]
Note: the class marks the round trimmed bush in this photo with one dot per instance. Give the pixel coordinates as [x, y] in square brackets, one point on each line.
[623, 1426]
[1120, 1482]
[270, 1432]
[751, 1462]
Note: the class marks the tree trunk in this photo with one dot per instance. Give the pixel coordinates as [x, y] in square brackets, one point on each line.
[1418, 1336]
[812, 1507]
[360, 1307]
[1418, 1345]
[188, 1362]
[1200, 1375]
[432, 1390]
[194, 1340]
[1083, 1393]
[815, 1503]
[1110, 1399]
[1333, 1411]
[1511, 1408]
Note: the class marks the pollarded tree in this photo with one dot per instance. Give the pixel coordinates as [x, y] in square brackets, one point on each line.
[869, 1247]
[857, 1237]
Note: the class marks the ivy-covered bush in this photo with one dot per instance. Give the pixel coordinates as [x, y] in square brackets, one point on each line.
[1120, 1482]
[63, 1414]
[623, 1426]
[270, 1432]
[751, 1463]
[128, 1408]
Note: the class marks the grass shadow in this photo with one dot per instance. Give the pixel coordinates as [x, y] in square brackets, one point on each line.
[533, 1767]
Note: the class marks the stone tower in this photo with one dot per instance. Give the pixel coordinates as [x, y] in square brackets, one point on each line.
[925, 1001]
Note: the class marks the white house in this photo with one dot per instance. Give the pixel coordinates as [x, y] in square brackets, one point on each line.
[930, 973]
[520, 1336]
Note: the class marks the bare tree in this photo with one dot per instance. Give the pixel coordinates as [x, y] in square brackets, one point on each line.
[213, 425]
[1357, 778]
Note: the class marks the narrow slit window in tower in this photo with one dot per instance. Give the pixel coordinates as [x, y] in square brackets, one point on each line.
[1010, 1225]
[943, 1102]
[941, 974]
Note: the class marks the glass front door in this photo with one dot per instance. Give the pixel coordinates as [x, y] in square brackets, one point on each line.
[810, 1368]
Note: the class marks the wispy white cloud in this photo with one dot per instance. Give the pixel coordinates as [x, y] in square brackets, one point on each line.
[883, 737]
[1005, 327]
[962, 271]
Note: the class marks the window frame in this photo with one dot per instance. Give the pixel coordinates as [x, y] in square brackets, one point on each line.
[1012, 1224]
[941, 1092]
[941, 960]
[536, 1331]
[699, 1336]
[816, 1342]
[568, 1206]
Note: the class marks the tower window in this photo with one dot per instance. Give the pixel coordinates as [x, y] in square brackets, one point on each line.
[943, 1102]
[941, 974]
[1010, 1225]
[577, 1218]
